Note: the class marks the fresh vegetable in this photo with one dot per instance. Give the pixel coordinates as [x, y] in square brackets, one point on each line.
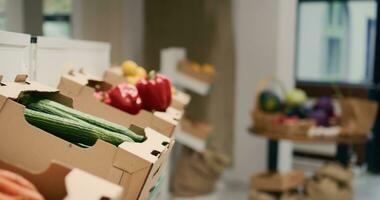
[300, 111]
[269, 101]
[325, 104]
[125, 97]
[73, 130]
[321, 118]
[208, 69]
[281, 119]
[14, 186]
[61, 110]
[155, 92]
[291, 120]
[196, 67]
[295, 97]
[133, 72]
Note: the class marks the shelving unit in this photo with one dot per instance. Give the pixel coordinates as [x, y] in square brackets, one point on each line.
[189, 140]
[169, 60]
[343, 144]
[192, 84]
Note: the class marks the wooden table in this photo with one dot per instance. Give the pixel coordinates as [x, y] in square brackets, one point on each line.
[343, 144]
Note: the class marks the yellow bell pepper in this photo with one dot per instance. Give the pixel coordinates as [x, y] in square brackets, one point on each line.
[129, 68]
[133, 72]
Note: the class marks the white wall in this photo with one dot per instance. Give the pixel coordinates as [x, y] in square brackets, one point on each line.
[14, 13]
[133, 30]
[262, 49]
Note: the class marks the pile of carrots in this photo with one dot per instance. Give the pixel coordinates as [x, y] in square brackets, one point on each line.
[14, 186]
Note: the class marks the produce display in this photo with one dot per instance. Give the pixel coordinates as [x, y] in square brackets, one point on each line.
[72, 125]
[152, 91]
[206, 68]
[14, 186]
[203, 72]
[297, 106]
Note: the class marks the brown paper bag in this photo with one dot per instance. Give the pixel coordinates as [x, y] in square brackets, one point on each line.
[197, 173]
[257, 195]
[260, 195]
[327, 189]
[358, 115]
[336, 172]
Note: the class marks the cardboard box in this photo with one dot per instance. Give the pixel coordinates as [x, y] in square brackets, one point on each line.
[81, 88]
[277, 182]
[114, 75]
[134, 166]
[180, 100]
[58, 182]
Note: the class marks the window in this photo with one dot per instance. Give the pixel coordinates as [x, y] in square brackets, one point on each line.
[336, 41]
[57, 18]
[2, 15]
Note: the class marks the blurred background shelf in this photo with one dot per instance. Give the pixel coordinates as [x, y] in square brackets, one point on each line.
[190, 140]
[190, 83]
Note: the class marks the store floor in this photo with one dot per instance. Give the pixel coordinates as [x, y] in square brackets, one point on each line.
[366, 187]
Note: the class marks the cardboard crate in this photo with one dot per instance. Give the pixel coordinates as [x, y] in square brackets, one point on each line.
[81, 88]
[135, 166]
[277, 182]
[58, 182]
[114, 76]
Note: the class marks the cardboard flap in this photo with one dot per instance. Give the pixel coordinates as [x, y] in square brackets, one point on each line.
[182, 97]
[82, 79]
[166, 117]
[59, 181]
[116, 70]
[14, 89]
[180, 100]
[21, 78]
[89, 76]
[150, 150]
[114, 75]
[174, 113]
[52, 177]
[81, 185]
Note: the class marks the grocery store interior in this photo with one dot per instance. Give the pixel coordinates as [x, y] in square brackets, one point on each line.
[181, 100]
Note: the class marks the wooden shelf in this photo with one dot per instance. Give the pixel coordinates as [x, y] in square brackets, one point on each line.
[190, 140]
[342, 139]
[190, 83]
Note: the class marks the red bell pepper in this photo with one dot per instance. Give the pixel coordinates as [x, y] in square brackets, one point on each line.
[125, 97]
[155, 92]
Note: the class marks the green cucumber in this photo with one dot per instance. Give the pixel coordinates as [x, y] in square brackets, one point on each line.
[72, 130]
[55, 108]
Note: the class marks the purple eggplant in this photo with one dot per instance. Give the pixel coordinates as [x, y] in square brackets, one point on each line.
[325, 104]
[320, 116]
